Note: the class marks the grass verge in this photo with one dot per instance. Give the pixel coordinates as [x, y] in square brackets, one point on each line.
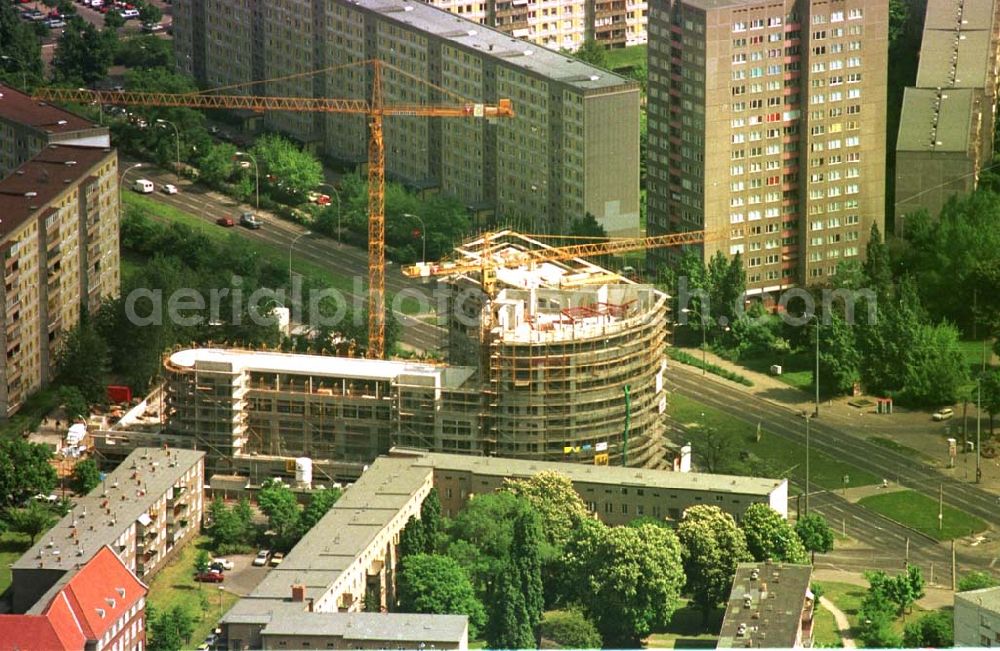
[788, 457]
[825, 631]
[921, 513]
[174, 585]
[688, 630]
[896, 446]
[689, 359]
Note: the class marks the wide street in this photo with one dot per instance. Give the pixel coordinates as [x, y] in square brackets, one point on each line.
[341, 259]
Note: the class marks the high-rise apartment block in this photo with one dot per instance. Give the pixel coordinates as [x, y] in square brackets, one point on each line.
[571, 149]
[58, 236]
[947, 123]
[559, 24]
[767, 129]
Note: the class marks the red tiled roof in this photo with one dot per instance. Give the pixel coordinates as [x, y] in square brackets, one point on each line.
[30, 633]
[15, 106]
[100, 593]
[65, 623]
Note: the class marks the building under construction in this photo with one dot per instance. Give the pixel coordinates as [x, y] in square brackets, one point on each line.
[565, 362]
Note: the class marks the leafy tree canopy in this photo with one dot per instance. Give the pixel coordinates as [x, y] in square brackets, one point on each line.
[976, 581]
[24, 471]
[86, 476]
[570, 629]
[934, 630]
[815, 534]
[711, 547]
[551, 494]
[438, 585]
[31, 521]
[769, 536]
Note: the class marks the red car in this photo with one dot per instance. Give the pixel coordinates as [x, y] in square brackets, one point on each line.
[210, 577]
[225, 221]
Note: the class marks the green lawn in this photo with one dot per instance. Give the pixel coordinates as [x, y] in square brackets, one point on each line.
[796, 369]
[825, 631]
[785, 456]
[175, 585]
[896, 446]
[687, 630]
[12, 547]
[627, 57]
[276, 255]
[921, 512]
[973, 352]
[847, 597]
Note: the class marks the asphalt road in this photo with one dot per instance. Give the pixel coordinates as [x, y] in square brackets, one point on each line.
[839, 444]
[342, 259]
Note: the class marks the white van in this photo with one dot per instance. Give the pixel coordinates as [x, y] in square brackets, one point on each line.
[142, 186]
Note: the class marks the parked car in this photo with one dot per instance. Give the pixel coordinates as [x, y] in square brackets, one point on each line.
[250, 220]
[149, 28]
[225, 221]
[210, 577]
[262, 557]
[318, 199]
[169, 188]
[943, 414]
[277, 558]
[55, 23]
[224, 562]
[129, 14]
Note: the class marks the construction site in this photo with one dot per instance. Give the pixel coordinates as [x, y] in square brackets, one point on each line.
[553, 360]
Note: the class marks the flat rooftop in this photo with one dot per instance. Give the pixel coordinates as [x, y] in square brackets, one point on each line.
[17, 107]
[238, 361]
[611, 475]
[777, 596]
[987, 598]
[332, 546]
[89, 526]
[934, 121]
[292, 619]
[513, 52]
[968, 51]
[36, 183]
[967, 14]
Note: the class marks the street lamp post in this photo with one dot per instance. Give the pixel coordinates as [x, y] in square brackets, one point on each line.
[423, 235]
[816, 375]
[808, 418]
[121, 182]
[177, 142]
[290, 247]
[222, 589]
[256, 174]
[337, 197]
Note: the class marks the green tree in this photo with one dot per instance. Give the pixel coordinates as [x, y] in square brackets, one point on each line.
[215, 164]
[202, 561]
[278, 503]
[149, 14]
[24, 471]
[639, 591]
[430, 521]
[296, 170]
[570, 629]
[19, 47]
[229, 532]
[31, 521]
[934, 630]
[877, 267]
[769, 536]
[526, 562]
[437, 585]
[73, 402]
[481, 536]
[719, 451]
[990, 387]
[86, 477]
[320, 502]
[878, 611]
[711, 547]
[839, 359]
[976, 581]
[815, 534]
[551, 494]
[593, 53]
[82, 360]
[169, 630]
[935, 369]
[83, 54]
[899, 13]
[508, 625]
[113, 20]
[412, 540]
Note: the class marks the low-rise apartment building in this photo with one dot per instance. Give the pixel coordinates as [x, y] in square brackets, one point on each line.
[28, 126]
[571, 149]
[144, 510]
[977, 618]
[615, 494]
[946, 127]
[100, 606]
[770, 606]
[561, 25]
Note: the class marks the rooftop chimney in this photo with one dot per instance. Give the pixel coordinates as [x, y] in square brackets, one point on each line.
[298, 593]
